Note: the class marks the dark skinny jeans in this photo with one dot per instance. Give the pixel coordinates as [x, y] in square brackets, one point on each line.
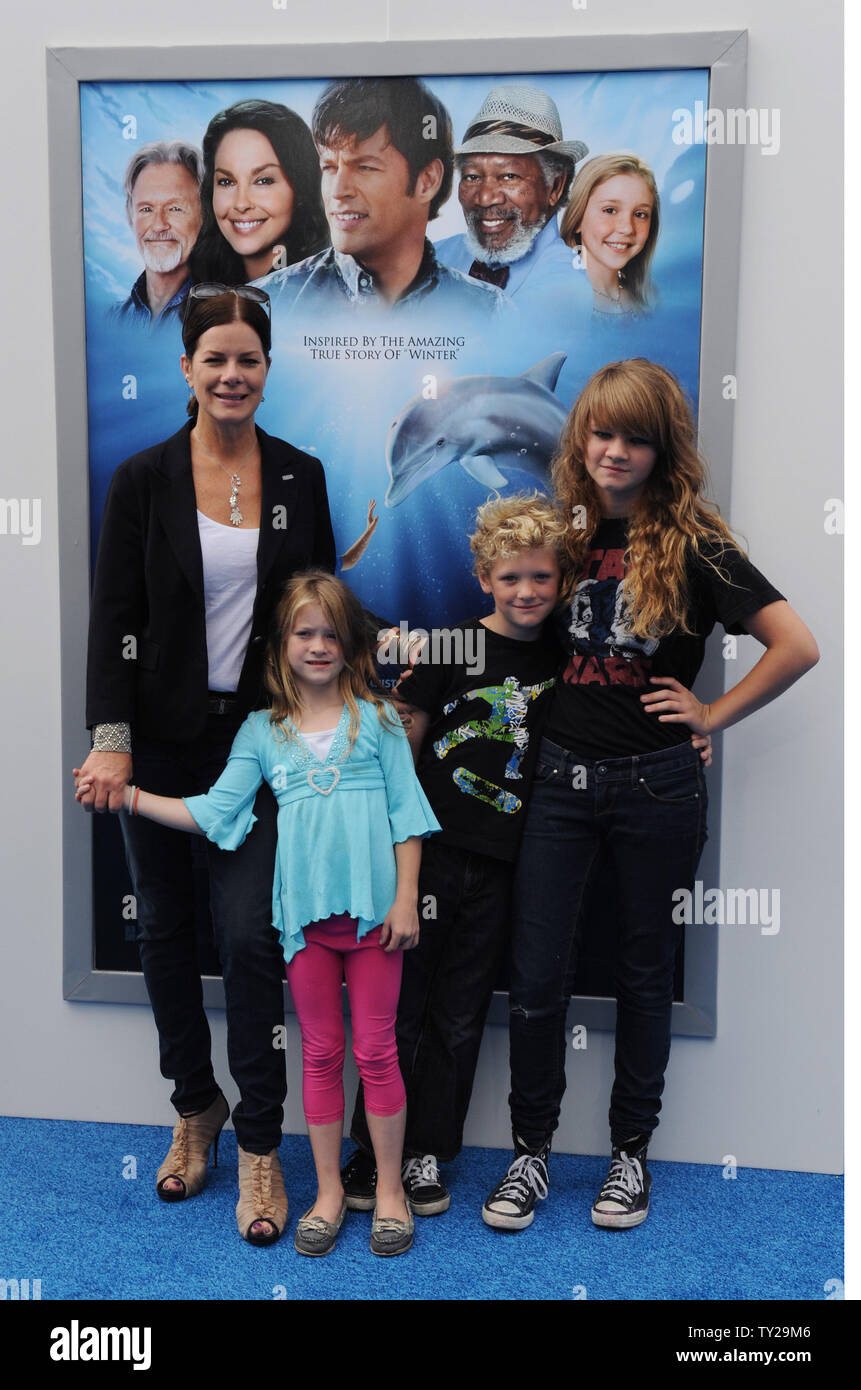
[647, 816]
[446, 989]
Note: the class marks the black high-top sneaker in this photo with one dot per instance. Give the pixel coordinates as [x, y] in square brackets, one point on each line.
[427, 1193]
[510, 1206]
[624, 1199]
[359, 1176]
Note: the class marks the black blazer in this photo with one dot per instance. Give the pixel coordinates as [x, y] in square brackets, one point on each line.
[149, 584]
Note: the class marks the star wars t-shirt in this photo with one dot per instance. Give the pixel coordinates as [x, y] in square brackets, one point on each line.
[478, 757]
[595, 710]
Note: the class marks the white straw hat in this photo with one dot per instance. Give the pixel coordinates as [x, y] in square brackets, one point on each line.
[519, 120]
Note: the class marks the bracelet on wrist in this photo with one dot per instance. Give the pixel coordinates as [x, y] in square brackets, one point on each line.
[112, 738]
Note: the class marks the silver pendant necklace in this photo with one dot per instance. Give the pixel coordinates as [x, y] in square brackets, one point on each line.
[613, 298]
[236, 517]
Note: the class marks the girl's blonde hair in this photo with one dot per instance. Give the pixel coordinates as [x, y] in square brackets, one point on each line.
[670, 521]
[595, 172]
[521, 521]
[349, 622]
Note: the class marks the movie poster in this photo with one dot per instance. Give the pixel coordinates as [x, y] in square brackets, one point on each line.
[561, 228]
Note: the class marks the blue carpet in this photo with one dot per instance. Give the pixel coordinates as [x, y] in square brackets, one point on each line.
[69, 1217]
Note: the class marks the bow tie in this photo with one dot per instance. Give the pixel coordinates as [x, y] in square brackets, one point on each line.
[490, 274]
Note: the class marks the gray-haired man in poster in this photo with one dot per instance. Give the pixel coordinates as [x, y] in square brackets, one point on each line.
[162, 188]
[515, 172]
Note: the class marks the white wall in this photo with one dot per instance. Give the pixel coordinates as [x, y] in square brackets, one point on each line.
[768, 1089]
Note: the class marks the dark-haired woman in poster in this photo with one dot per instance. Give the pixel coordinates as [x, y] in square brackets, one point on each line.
[199, 535]
[260, 196]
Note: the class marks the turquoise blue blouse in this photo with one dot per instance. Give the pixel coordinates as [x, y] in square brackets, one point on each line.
[338, 819]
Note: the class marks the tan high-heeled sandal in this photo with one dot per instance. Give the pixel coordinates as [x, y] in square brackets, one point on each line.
[188, 1156]
[261, 1196]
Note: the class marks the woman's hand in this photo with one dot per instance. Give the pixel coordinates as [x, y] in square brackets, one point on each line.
[101, 783]
[677, 705]
[400, 930]
[86, 795]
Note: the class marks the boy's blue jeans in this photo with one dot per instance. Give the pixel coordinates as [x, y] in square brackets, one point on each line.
[647, 815]
[446, 989]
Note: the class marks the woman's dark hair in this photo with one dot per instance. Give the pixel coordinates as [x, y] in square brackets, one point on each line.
[213, 258]
[202, 314]
[418, 125]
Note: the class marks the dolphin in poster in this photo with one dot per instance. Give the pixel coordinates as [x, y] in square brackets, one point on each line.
[481, 422]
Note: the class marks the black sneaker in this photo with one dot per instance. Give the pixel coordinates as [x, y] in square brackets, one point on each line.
[428, 1196]
[359, 1176]
[510, 1205]
[624, 1199]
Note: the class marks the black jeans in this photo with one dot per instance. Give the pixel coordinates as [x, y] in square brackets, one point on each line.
[446, 990]
[240, 885]
[647, 814]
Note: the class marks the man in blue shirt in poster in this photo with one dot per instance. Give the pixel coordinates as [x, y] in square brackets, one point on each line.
[515, 173]
[162, 188]
[386, 161]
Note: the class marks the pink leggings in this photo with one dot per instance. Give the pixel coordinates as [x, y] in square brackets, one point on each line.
[331, 954]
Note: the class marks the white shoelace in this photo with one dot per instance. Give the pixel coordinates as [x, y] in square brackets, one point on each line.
[423, 1171]
[625, 1179]
[525, 1172]
[390, 1223]
[317, 1223]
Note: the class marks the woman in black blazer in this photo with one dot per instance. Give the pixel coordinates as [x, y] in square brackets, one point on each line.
[199, 535]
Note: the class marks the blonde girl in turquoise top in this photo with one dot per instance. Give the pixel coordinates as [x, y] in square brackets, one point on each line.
[351, 816]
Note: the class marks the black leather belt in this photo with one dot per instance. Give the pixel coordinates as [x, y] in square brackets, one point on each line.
[221, 704]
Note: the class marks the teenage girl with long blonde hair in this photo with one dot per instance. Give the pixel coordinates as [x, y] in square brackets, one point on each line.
[654, 567]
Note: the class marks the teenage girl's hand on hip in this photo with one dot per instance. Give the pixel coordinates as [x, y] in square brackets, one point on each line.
[400, 930]
[677, 705]
[704, 744]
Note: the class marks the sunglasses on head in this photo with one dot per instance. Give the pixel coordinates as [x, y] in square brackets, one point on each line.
[210, 289]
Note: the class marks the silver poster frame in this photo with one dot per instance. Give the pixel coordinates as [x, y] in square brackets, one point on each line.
[723, 53]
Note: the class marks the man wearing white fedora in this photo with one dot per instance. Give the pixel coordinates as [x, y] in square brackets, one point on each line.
[515, 172]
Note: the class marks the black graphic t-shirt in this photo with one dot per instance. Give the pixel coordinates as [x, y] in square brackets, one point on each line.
[596, 709]
[477, 760]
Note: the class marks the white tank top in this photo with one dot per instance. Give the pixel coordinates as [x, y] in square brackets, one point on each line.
[229, 586]
[321, 742]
